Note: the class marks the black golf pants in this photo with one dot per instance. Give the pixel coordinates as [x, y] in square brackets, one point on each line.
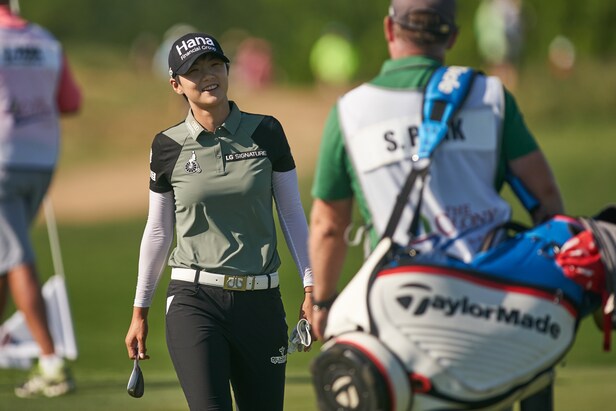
[216, 337]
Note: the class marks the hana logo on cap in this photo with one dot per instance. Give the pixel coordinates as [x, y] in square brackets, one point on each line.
[188, 48]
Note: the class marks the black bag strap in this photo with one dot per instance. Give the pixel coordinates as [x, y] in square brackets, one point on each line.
[402, 199]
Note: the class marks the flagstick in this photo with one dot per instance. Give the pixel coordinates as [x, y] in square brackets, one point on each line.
[54, 240]
[58, 281]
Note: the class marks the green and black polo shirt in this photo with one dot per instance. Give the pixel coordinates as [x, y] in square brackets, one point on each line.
[222, 186]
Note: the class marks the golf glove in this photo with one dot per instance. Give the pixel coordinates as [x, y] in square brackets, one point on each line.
[300, 337]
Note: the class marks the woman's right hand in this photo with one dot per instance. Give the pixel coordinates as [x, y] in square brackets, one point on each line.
[137, 334]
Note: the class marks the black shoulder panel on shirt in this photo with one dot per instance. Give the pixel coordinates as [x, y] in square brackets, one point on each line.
[270, 135]
[164, 155]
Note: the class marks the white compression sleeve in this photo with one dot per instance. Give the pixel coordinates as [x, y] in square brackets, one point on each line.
[293, 220]
[155, 245]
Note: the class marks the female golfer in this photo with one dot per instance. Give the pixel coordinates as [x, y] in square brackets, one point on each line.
[213, 176]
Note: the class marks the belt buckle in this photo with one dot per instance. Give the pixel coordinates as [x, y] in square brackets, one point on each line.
[235, 282]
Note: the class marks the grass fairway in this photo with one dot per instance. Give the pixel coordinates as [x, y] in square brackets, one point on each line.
[100, 263]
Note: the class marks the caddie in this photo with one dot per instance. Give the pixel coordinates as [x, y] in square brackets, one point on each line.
[369, 140]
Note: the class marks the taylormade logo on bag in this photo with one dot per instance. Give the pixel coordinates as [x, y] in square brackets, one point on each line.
[464, 306]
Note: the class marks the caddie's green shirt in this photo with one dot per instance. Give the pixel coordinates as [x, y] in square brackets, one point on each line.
[222, 185]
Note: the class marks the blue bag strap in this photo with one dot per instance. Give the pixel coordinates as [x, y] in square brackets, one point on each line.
[445, 93]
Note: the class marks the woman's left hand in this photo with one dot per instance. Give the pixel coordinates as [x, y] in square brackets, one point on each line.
[306, 312]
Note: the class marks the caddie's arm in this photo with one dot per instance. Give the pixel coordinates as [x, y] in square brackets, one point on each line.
[327, 249]
[536, 175]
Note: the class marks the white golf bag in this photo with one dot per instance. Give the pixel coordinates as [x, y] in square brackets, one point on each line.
[430, 333]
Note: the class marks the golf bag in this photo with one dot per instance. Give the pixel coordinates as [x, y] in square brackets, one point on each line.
[431, 333]
[425, 331]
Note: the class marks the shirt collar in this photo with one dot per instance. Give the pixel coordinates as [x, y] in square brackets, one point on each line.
[231, 123]
[408, 62]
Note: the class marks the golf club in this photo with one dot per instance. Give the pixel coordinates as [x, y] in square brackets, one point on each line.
[135, 385]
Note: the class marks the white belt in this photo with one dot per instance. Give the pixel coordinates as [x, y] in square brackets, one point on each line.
[228, 282]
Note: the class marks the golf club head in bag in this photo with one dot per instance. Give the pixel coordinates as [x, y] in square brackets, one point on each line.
[136, 385]
[357, 372]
